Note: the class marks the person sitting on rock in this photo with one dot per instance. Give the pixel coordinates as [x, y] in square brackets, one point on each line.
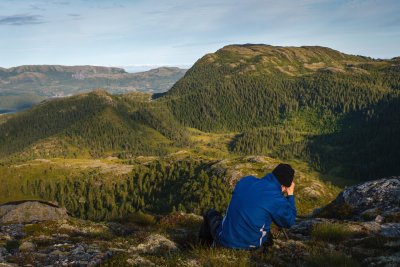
[255, 203]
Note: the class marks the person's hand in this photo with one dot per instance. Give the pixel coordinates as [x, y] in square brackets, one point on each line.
[290, 190]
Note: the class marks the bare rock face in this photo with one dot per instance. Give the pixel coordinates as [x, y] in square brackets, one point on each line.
[366, 201]
[31, 211]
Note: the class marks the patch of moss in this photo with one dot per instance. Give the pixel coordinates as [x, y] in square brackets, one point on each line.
[44, 228]
[335, 211]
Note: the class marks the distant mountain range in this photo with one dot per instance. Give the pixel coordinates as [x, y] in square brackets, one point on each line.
[25, 86]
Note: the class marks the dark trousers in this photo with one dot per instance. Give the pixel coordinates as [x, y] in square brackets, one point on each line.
[208, 229]
[211, 221]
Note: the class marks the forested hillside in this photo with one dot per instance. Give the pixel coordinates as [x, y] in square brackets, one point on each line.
[90, 125]
[337, 111]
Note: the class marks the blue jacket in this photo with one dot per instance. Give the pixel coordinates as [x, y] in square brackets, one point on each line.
[254, 205]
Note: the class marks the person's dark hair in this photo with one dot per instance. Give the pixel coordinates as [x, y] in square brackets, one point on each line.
[284, 173]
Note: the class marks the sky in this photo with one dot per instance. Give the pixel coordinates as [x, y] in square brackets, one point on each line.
[143, 34]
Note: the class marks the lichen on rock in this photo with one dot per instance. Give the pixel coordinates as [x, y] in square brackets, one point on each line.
[156, 244]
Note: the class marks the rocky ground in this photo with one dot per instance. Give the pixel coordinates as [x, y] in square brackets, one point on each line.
[360, 227]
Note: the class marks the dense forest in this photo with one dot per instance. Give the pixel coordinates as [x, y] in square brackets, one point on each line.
[92, 124]
[161, 187]
[238, 102]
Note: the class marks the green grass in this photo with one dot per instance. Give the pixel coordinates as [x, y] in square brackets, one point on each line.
[334, 233]
[39, 228]
[117, 260]
[330, 259]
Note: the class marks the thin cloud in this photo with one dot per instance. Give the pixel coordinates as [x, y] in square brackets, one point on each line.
[21, 19]
[36, 7]
[61, 3]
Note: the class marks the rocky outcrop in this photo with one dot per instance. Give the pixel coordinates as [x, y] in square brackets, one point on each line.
[369, 208]
[369, 213]
[365, 202]
[46, 244]
[30, 211]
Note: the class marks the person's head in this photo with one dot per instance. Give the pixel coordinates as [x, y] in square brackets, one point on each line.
[284, 173]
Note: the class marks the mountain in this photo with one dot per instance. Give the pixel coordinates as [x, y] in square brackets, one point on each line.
[333, 109]
[243, 86]
[25, 86]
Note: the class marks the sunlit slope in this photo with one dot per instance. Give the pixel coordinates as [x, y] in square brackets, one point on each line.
[91, 124]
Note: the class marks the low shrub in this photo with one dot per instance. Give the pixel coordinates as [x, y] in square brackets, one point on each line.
[392, 218]
[12, 245]
[140, 219]
[175, 219]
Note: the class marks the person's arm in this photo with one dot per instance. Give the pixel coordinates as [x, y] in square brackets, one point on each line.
[286, 212]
